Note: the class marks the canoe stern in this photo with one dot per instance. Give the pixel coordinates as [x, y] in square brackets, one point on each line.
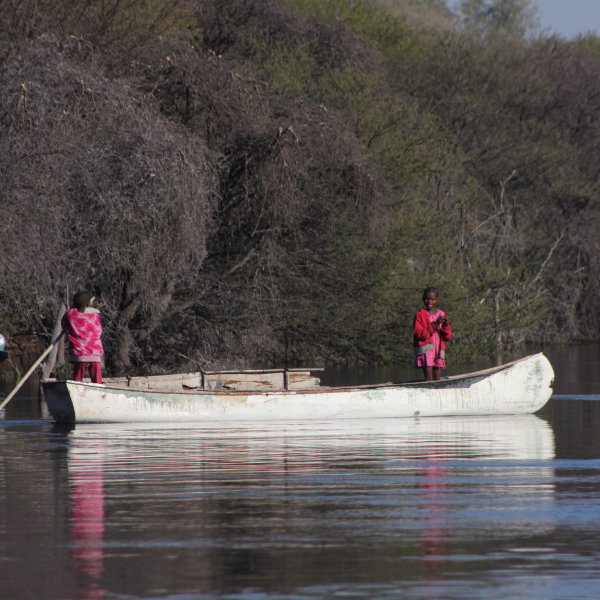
[59, 401]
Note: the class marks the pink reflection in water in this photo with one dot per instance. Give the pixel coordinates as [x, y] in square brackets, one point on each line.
[434, 535]
[86, 472]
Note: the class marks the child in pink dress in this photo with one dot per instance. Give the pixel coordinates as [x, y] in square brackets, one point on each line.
[82, 326]
[431, 331]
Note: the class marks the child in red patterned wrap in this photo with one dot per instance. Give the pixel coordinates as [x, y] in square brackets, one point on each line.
[83, 329]
[431, 331]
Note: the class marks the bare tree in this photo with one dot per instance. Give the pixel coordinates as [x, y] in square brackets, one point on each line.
[98, 191]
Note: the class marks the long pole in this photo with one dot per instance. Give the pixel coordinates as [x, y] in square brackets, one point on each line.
[31, 370]
[52, 357]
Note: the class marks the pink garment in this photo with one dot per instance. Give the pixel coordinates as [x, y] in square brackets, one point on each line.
[435, 356]
[84, 331]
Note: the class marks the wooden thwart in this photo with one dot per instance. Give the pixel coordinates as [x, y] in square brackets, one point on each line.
[250, 380]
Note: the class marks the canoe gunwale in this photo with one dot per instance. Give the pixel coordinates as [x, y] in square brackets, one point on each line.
[452, 380]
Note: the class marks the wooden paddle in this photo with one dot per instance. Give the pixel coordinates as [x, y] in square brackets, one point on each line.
[31, 370]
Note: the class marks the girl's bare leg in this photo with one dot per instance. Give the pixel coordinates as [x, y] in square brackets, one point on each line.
[428, 373]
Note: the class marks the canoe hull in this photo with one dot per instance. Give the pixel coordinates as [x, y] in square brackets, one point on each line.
[518, 388]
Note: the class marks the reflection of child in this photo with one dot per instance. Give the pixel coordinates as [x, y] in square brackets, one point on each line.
[431, 329]
[84, 330]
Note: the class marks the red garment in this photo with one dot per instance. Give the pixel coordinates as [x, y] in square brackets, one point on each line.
[95, 369]
[84, 332]
[423, 330]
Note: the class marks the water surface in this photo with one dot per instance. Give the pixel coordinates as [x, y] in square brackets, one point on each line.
[482, 508]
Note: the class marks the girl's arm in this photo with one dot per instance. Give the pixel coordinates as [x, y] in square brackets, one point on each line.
[445, 329]
[422, 328]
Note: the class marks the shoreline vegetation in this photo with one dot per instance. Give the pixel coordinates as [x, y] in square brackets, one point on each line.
[256, 183]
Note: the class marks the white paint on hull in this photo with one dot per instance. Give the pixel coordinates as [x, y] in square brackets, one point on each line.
[518, 388]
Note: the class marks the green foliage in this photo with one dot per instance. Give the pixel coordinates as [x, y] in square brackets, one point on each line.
[365, 17]
[591, 44]
[494, 17]
[288, 70]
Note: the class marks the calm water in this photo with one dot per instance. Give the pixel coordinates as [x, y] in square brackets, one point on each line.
[481, 508]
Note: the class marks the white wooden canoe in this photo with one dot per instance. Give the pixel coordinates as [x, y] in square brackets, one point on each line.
[520, 387]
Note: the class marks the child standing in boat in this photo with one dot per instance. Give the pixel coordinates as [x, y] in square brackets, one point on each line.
[83, 329]
[431, 329]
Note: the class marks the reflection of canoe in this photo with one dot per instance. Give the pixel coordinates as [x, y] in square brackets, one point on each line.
[497, 437]
[520, 387]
